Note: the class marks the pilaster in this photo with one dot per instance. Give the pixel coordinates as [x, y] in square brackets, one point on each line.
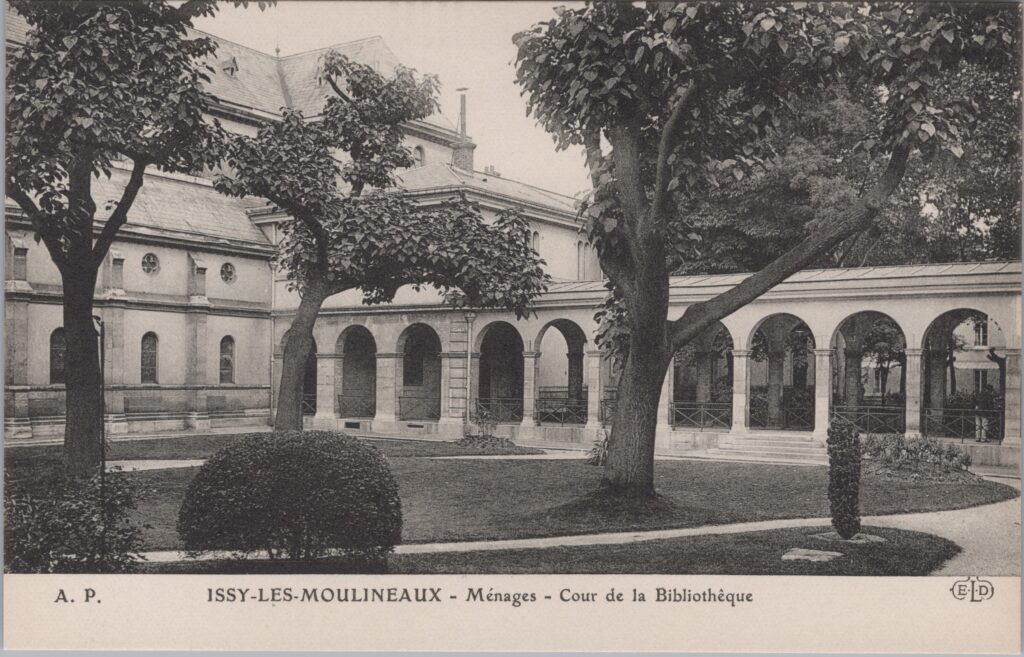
[740, 390]
[822, 390]
[914, 392]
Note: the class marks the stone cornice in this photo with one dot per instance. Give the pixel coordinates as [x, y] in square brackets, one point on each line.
[216, 307]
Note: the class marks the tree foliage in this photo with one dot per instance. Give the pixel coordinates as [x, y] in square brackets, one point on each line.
[335, 175]
[672, 101]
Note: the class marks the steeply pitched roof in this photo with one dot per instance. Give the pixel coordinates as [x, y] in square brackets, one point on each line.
[266, 82]
[441, 176]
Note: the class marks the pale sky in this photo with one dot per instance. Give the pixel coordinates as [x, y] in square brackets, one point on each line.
[467, 44]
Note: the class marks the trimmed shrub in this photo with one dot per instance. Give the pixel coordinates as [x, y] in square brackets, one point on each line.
[844, 477]
[299, 495]
[494, 445]
[62, 524]
[924, 456]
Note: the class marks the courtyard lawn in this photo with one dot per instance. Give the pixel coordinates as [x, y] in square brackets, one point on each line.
[462, 500]
[203, 447]
[755, 553]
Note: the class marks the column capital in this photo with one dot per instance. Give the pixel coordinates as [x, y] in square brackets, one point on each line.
[741, 353]
[914, 353]
[388, 354]
[824, 352]
[531, 354]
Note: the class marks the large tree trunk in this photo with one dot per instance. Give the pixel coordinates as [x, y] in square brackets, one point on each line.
[297, 345]
[83, 429]
[629, 470]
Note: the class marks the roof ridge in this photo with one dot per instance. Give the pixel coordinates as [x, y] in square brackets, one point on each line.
[335, 45]
[526, 184]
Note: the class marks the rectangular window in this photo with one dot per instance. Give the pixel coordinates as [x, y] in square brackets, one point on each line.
[981, 334]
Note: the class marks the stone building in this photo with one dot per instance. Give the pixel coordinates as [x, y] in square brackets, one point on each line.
[194, 315]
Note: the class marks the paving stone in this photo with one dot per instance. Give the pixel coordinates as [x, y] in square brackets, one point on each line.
[803, 554]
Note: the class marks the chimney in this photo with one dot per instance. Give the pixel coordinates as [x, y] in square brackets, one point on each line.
[462, 148]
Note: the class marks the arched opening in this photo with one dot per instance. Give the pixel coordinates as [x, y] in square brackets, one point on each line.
[964, 377]
[420, 398]
[58, 355]
[702, 381]
[500, 373]
[357, 396]
[782, 375]
[227, 359]
[561, 384]
[309, 382]
[869, 378]
[150, 352]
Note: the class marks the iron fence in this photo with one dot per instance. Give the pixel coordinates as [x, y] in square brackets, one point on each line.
[357, 405]
[874, 419]
[501, 409]
[795, 416]
[561, 411]
[702, 415]
[981, 425]
[419, 408]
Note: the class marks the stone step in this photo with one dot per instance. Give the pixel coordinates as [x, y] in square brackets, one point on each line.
[799, 444]
[760, 457]
[787, 451]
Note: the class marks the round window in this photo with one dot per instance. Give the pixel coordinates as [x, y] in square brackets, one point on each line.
[227, 272]
[150, 263]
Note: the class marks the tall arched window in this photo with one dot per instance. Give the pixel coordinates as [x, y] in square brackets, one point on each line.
[536, 241]
[58, 352]
[227, 359]
[419, 157]
[580, 267]
[150, 345]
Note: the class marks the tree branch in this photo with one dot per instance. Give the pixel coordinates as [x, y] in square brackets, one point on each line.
[667, 144]
[119, 216]
[700, 316]
[36, 216]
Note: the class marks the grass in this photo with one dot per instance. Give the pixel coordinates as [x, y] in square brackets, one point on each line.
[756, 553]
[462, 500]
[203, 447]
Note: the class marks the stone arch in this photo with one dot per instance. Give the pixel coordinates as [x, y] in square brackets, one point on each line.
[869, 375]
[500, 373]
[702, 381]
[781, 374]
[355, 373]
[419, 373]
[964, 360]
[557, 402]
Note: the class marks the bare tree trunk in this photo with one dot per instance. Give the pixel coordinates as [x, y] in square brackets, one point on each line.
[629, 470]
[83, 428]
[297, 345]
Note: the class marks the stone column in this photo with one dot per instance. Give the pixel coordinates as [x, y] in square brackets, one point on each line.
[740, 389]
[387, 389]
[575, 382]
[113, 313]
[196, 359]
[594, 389]
[664, 425]
[1011, 422]
[776, 370]
[325, 417]
[704, 362]
[530, 360]
[17, 293]
[914, 392]
[822, 391]
[458, 341]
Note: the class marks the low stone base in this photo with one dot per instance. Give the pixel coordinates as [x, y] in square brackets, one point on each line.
[803, 554]
[858, 539]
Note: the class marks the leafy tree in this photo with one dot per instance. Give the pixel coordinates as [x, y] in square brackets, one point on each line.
[349, 231]
[670, 100]
[885, 345]
[93, 84]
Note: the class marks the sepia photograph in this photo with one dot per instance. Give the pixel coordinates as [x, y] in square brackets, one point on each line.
[655, 293]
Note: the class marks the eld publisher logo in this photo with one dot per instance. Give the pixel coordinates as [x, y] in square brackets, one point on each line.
[972, 589]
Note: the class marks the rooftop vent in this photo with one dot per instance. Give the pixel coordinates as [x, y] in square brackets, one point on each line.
[491, 171]
[229, 66]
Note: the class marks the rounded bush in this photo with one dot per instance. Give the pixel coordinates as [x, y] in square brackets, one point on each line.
[295, 494]
[844, 477]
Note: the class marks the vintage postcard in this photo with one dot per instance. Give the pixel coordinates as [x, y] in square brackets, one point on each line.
[512, 326]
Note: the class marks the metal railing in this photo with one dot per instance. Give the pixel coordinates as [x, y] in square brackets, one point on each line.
[561, 411]
[419, 408]
[607, 411]
[501, 410]
[874, 419]
[797, 417]
[357, 405]
[981, 425]
[702, 415]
